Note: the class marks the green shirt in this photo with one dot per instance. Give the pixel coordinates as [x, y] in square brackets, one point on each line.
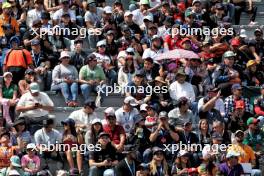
[96, 74]
[254, 140]
[8, 92]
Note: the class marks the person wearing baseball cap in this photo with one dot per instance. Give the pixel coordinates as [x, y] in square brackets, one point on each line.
[259, 103]
[125, 115]
[253, 75]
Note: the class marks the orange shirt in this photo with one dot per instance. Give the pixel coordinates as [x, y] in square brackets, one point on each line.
[5, 154]
[246, 153]
[5, 20]
[16, 58]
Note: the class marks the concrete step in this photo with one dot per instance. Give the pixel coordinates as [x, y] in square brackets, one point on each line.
[249, 29]
[245, 18]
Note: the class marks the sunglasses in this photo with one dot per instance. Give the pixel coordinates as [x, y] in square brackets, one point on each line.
[102, 46]
[159, 153]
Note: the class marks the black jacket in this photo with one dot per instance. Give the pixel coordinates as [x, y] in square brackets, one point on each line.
[122, 169]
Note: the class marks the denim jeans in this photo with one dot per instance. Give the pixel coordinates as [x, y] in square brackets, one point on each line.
[112, 77]
[69, 91]
[87, 89]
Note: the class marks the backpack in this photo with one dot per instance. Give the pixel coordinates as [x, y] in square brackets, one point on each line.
[24, 56]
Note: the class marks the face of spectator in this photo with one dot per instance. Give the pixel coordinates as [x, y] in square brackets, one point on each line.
[217, 128]
[92, 63]
[35, 48]
[216, 141]
[110, 37]
[35, 94]
[144, 7]
[237, 92]
[101, 49]
[262, 92]
[29, 77]
[129, 60]
[78, 46]
[184, 159]
[239, 112]
[181, 79]
[107, 16]
[138, 80]
[150, 112]
[188, 128]
[253, 68]
[143, 113]
[240, 137]
[65, 60]
[66, 127]
[158, 156]
[5, 140]
[88, 110]
[129, 18]
[14, 44]
[97, 127]
[152, 31]
[7, 11]
[157, 43]
[197, 7]
[127, 107]
[111, 120]
[253, 126]
[229, 61]
[204, 125]
[195, 62]
[49, 128]
[233, 160]
[148, 65]
[219, 11]
[189, 19]
[66, 19]
[211, 94]
[184, 107]
[38, 5]
[104, 140]
[8, 78]
[163, 120]
[133, 155]
[65, 5]
[21, 127]
[258, 36]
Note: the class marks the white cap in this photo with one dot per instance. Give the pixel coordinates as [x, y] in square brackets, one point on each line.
[122, 54]
[64, 54]
[34, 87]
[143, 107]
[100, 43]
[130, 100]
[243, 33]
[182, 153]
[148, 17]
[96, 120]
[109, 110]
[232, 153]
[130, 50]
[127, 13]
[31, 146]
[7, 73]
[109, 172]
[108, 9]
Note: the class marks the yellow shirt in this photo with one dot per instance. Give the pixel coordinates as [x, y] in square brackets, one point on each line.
[5, 20]
[246, 153]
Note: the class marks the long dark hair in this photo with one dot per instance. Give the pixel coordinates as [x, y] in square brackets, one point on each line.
[72, 130]
[93, 135]
[127, 68]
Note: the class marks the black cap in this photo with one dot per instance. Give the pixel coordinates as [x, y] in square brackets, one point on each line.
[103, 134]
[140, 73]
[90, 103]
[29, 71]
[156, 149]
[45, 15]
[20, 120]
[66, 14]
[90, 57]
[68, 121]
[129, 148]
[117, 2]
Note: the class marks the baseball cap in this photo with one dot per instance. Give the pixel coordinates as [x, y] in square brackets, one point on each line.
[130, 100]
[103, 134]
[68, 121]
[15, 161]
[110, 32]
[156, 149]
[196, 1]
[101, 43]
[45, 15]
[235, 42]
[91, 57]
[64, 54]
[236, 86]
[142, 2]
[251, 62]
[35, 42]
[96, 120]
[231, 154]
[172, 66]
[65, 14]
[143, 107]
[188, 13]
[155, 37]
[6, 5]
[34, 87]
[31, 146]
[219, 6]
[109, 111]
[240, 104]
[148, 17]
[217, 136]
[239, 132]
[139, 73]
[89, 103]
[130, 50]
[163, 114]
[258, 30]
[127, 13]
[29, 71]
[182, 153]
[252, 120]
[7, 73]
[108, 9]
[243, 33]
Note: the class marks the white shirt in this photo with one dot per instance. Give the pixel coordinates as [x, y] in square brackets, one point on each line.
[42, 137]
[33, 15]
[138, 16]
[28, 100]
[219, 105]
[151, 53]
[94, 17]
[126, 119]
[178, 90]
[57, 15]
[80, 117]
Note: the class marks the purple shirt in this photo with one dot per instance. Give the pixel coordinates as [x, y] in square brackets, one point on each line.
[237, 170]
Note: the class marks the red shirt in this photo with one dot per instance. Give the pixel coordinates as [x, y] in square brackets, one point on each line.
[173, 43]
[114, 134]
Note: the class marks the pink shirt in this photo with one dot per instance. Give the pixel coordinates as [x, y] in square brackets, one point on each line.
[30, 163]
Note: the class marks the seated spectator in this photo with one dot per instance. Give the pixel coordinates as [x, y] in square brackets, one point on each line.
[254, 137]
[155, 48]
[72, 138]
[14, 168]
[91, 77]
[101, 161]
[35, 107]
[116, 132]
[21, 133]
[64, 8]
[181, 163]
[150, 70]
[31, 161]
[8, 97]
[181, 114]
[35, 13]
[158, 165]
[66, 25]
[151, 119]
[84, 116]
[181, 88]
[237, 95]
[126, 115]
[259, 103]
[231, 166]
[65, 78]
[48, 136]
[204, 134]
[91, 136]
[78, 56]
[253, 75]
[30, 77]
[247, 154]
[6, 151]
[126, 72]
[172, 71]
[219, 127]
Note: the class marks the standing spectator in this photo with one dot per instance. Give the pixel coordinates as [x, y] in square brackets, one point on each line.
[91, 77]
[139, 14]
[17, 60]
[8, 97]
[65, 8]
[35, 107]
[65, 78]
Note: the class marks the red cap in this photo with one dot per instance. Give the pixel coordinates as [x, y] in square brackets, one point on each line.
[240, 104]
[235, 42]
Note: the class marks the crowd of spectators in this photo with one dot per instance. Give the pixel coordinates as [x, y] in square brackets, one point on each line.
[80, 49]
